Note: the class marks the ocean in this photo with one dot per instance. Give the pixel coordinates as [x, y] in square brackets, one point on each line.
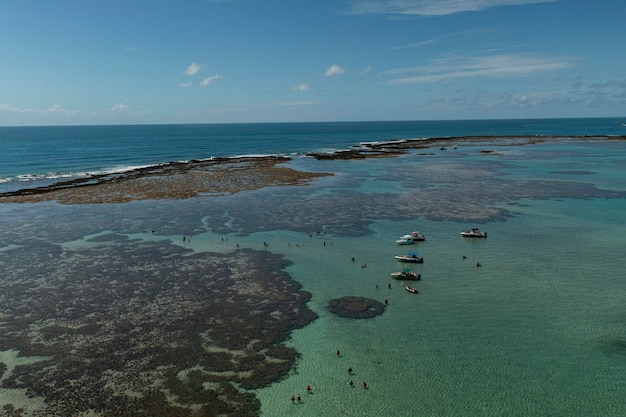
[538, 329]
[41, 155]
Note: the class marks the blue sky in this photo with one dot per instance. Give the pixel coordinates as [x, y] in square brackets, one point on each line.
[229, 61]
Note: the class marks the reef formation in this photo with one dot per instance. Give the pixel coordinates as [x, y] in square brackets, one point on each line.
[145, 329]
[173, 181]
[356, 307]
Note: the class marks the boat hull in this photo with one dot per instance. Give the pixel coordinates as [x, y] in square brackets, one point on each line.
[407, 277]
[474, 233]
[410, 259]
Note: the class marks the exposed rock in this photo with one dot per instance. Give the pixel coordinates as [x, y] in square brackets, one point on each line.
[172, 181]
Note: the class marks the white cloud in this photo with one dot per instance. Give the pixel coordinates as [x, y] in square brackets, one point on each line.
[366, 70]
[54, 115]
[453, 37]
[416, 45]
[120, 107]
[431, 7]
[300, 87]
[289, 104]
[57, 109]
[485, 66]
[185, 85]
[210, 80]
[334, 70]
[192, 69]
[620, 84]
[561, 99]
[7, 108]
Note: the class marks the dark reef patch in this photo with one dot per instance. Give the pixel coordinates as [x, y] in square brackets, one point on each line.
[356, 307]
[614, 346]
[574, 172]
[399, 147]
[448, 190]
[147, 329]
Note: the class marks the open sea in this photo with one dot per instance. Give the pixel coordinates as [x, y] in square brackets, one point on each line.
[47, 154]
[538, 329]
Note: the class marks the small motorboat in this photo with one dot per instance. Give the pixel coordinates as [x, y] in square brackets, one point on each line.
[475, 232]
[412, 257]
[410, 239]
[406, 273]
[405, 240]
[412, 289]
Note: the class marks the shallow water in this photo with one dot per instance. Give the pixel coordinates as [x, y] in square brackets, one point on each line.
[538, 329]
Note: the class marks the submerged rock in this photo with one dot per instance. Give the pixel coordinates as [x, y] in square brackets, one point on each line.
[145, 329]
[356, 307]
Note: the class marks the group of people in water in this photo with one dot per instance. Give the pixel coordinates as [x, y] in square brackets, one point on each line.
[298, 398]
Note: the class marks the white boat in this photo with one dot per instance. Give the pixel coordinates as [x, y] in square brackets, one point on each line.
[405, 240]
[406, 273]
[410, 239]
[410, 257]
[412, 289]
[475, 232]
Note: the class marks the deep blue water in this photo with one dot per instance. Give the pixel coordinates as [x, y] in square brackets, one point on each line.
[37, 155]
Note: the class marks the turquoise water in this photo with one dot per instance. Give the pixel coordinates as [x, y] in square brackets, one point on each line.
[538, 330]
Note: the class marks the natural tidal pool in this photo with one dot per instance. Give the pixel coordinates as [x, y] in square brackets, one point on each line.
[219, 304]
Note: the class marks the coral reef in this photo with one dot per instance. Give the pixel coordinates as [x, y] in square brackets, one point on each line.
[356, 307]
[175, 180]
[147, 329]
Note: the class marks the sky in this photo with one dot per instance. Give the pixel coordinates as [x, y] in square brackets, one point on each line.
[92, 62]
